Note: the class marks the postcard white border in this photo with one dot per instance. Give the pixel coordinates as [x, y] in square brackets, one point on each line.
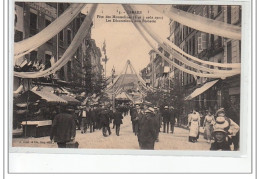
[21, 159]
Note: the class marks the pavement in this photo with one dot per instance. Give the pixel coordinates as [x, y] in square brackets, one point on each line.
[127, 140]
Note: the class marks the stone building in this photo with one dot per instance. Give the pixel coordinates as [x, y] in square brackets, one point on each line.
[226, 92]
[32, 17]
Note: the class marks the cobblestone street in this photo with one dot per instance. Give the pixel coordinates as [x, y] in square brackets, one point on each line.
[126, 140]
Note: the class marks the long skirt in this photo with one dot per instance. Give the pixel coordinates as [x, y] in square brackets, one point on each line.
[194, 129]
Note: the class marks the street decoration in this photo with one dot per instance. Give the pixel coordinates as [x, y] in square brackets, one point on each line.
[138, 27]
[82, 32]
[202, 23]
[26, 46]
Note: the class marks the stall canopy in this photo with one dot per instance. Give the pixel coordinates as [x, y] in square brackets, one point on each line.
[123, 96]
[200, 90]
[32, 96]
[70, 100]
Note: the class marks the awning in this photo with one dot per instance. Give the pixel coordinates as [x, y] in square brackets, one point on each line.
[70, 99]
[200, 90]
[32, 96]
[122, 96]
[50, 97]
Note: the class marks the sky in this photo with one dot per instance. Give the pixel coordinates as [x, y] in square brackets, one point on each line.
[123, 41]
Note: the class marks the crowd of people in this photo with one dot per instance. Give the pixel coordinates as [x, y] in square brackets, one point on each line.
[223, 130]
[147, 122]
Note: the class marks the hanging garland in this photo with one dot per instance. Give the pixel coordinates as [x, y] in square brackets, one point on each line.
[77, 40]
[26, 46]
[201, 23]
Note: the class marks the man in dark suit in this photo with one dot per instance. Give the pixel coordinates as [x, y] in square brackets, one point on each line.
[117, 120]
[166, 119]
[148, 130]
[172, 118]
[104, 121]
[63, 128]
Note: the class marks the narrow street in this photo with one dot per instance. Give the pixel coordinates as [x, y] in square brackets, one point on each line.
[126, 140]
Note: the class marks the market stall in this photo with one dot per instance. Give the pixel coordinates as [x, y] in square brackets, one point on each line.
[35, 111]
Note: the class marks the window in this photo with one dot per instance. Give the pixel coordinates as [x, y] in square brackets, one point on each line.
[69, 36]
[47, 22]
[69, 71]
[18, 36]
[62, 74]
[193, 45]
[229, 52]
[33, 56]
[219, 9]
[61, 37]
[33, 23]
[229, 14]
[47, 61]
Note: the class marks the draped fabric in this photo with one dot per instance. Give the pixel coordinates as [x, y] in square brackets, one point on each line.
[167, 45]
[187, 62]
[128, 64]
[23, 47]
[77, 40]
[138, 27]
[201, 23]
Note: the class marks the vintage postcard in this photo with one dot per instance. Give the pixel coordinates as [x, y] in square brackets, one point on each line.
[127, 76]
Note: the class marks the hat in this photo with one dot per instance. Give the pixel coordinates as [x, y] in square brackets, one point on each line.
[221, 110]
[151, 109]
[221, 123]
[165, 107]
[219, 130]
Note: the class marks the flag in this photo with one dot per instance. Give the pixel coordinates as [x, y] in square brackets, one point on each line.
[113, 74]
[104, 47]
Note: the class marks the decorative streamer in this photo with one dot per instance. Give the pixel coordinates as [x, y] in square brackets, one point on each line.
[182, 59]
[25, 46]
[173, 63]
[81, 34]
[201, 23]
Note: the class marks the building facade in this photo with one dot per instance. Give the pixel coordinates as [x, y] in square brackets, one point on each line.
[209, 47]
[32, 17]
[226, 92]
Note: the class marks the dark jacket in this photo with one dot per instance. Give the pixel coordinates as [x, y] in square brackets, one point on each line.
[63, 128]
[166, 116]
[148, 128]
[104, 118]
[172, 116]
[133, 113]
[220, 146]
[118, 118]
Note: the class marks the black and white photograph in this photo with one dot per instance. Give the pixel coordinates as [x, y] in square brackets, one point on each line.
[126, 76]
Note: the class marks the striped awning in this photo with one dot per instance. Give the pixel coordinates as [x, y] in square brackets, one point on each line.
[70, 99]
[49, 97]
[200, 90]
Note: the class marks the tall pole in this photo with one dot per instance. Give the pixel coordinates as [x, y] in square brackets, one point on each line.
[57, 37]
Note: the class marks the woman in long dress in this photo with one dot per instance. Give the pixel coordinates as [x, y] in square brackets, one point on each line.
[208, 126]
[193, 124]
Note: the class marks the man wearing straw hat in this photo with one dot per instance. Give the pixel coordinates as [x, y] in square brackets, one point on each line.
[232, 128]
